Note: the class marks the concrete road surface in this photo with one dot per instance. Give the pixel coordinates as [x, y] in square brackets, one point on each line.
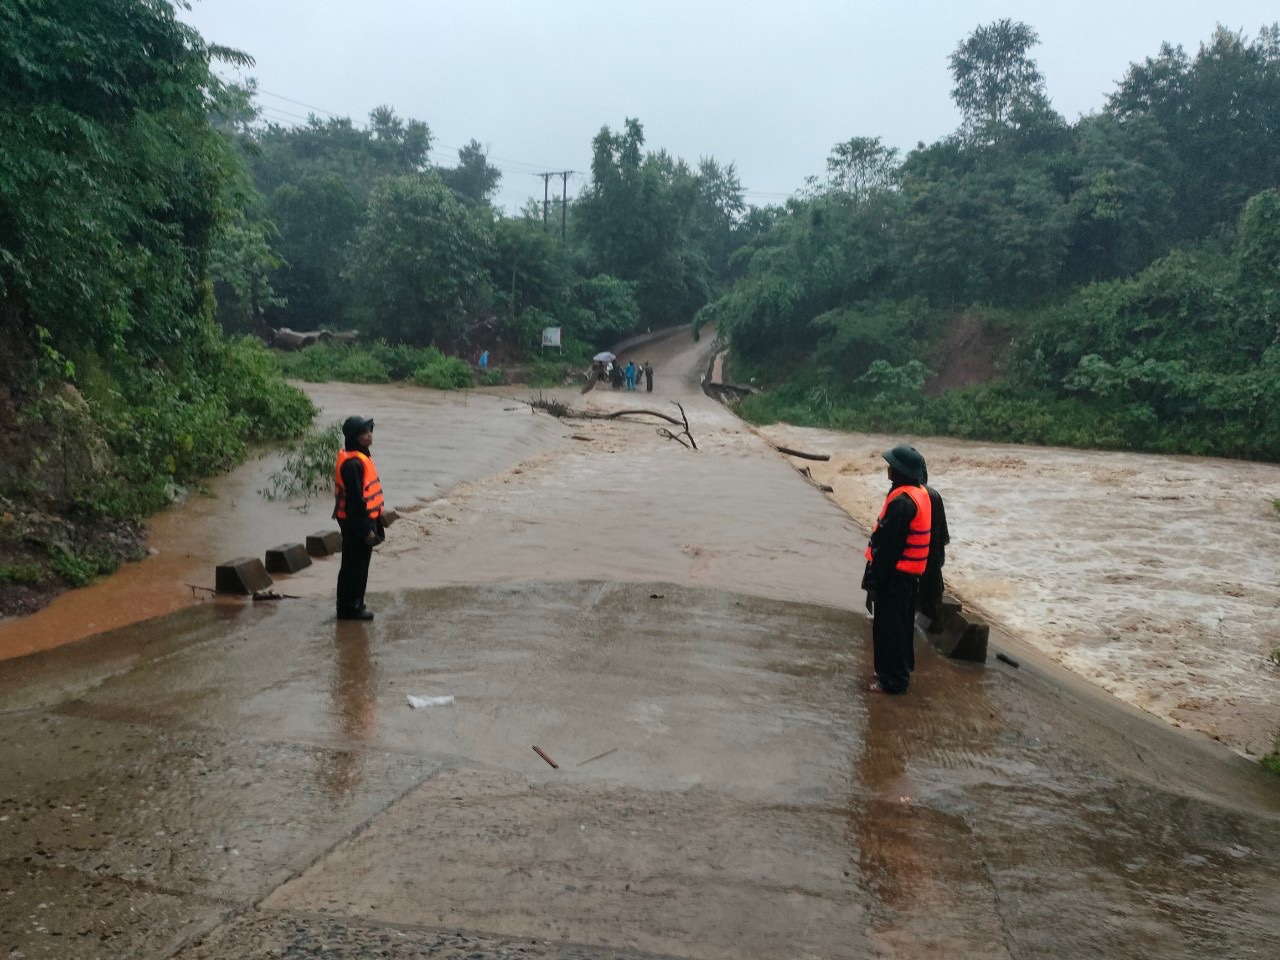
[680, 632]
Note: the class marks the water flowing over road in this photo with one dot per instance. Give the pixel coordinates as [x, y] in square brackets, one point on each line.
[680, 632]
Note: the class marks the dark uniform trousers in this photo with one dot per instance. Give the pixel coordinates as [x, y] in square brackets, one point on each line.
[893, 631]
[353, 576]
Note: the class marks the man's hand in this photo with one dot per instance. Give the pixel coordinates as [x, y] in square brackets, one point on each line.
[871, 602]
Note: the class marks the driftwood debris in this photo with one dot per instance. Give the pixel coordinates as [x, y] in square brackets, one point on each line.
[273, 595]
[824, 487]
[662, 431]
[562, 410]
[802, 455]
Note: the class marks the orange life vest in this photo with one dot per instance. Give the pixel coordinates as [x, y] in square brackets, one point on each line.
[372, 485]
[916, 553]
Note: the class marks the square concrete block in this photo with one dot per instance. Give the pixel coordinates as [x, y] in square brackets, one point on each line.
[243, 575]
[287, 558]
[324, 542]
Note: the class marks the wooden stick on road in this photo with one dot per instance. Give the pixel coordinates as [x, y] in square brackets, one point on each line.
[554, 765]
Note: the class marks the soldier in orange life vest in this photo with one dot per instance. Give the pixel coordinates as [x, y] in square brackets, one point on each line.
[358, 508]
[896, 557]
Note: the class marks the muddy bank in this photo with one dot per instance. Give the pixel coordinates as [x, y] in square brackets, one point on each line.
[1155, 577]
[44, 553]
[432, 441]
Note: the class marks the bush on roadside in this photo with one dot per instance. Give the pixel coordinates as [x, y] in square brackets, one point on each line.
[377, 362]
[307, 471]
[443, 373]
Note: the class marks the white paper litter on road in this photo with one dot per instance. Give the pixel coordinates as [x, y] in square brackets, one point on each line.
[417, 702]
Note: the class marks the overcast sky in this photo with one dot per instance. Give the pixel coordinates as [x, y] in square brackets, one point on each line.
[769, 86]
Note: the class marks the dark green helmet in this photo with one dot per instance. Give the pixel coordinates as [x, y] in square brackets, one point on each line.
[355, 426]
[907, 461]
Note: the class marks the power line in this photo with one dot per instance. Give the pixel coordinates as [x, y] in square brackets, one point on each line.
[266, 108]
[309, 106]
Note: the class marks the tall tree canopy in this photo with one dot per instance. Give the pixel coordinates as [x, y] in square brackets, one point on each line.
[998, 87]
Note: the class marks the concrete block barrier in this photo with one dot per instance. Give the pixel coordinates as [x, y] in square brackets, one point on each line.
[287, 558]
[956, 634]
[324, 543]
[244, 575]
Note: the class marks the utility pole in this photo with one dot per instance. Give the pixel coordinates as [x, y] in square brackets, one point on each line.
[564, 203]
[546, 197]
[564, 176]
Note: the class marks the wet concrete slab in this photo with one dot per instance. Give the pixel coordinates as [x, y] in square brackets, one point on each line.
[109, 790]
[57, 913]
[336, 938]
[726, 788]
[696, 872]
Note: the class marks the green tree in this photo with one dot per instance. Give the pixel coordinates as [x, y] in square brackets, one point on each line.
[317, 217]
[996, 232]
[419, 263]
[638, 220]
[1121, 202]
[1258, 245]
[998, 87]
[860, 167]
[317, 179]
[1220, 115]
[473, 178]
[121, 191]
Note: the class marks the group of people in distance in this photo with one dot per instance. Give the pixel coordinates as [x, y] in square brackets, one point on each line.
[904, 567]
[904, 556]
[628, 376]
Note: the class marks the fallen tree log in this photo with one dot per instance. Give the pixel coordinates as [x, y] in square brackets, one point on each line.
[562, 410]
[802, 455]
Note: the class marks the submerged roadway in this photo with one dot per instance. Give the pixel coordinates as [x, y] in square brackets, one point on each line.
[680, 631]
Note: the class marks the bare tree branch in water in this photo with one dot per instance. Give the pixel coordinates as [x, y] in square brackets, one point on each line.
[564, 412]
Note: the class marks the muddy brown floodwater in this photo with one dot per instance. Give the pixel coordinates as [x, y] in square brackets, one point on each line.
[680, 631]
[1155, 577]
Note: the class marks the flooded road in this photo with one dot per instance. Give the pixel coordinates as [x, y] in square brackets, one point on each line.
[680, 631]
[1155, 577]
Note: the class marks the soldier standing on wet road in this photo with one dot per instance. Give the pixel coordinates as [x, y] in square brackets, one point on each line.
[358, 508]
[896, 558]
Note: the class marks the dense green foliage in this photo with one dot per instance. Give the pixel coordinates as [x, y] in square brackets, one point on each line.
[116, 194]
[1129, 262]
[368, 236]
